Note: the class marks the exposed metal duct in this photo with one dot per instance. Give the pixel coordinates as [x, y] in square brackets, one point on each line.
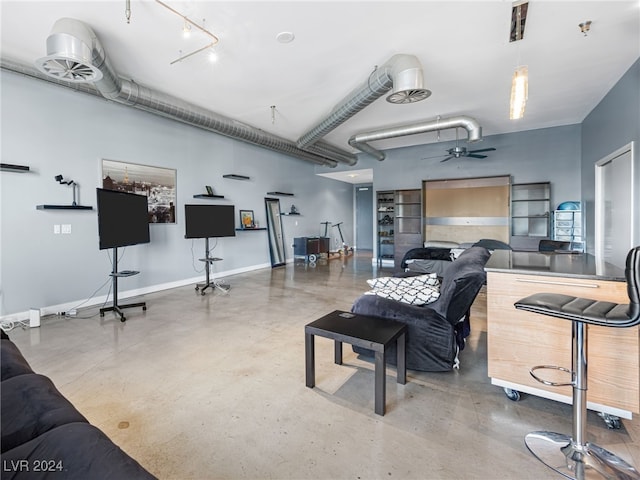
[404, 72]
[75, 56]
[73, 53]
[360, 141]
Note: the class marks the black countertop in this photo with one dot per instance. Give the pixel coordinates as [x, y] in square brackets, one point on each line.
[571, 265]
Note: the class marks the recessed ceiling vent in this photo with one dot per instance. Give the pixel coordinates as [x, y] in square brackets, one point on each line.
[73, 51]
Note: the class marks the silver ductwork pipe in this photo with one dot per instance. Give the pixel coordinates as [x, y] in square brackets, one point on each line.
[361, 140]
[72, 49]
[402, 71]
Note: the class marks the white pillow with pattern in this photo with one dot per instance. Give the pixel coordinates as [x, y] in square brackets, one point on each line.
[413, 295]
[429, 279]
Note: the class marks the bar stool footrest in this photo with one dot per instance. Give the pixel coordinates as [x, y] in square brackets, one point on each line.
[547, 382]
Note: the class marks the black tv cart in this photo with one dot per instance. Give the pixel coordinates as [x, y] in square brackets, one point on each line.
[114, 281]
[207, 266]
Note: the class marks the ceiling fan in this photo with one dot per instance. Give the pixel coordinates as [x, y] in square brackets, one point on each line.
[458, 151]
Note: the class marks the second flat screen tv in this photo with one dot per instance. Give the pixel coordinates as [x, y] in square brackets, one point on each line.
[209, 221]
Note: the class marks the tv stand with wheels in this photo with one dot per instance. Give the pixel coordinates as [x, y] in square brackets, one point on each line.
[114, 281]
[208, 283]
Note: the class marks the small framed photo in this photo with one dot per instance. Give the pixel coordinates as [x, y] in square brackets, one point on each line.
[246, 219]
[209, 190]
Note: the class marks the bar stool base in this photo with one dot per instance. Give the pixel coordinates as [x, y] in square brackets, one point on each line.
[578, 462]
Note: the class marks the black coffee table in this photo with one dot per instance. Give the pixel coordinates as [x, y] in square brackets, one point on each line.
[376, 334]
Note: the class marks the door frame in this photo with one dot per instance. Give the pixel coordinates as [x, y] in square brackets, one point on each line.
[599, 209]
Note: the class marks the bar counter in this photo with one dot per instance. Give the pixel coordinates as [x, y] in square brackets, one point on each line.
[518, 340]
[568, 265]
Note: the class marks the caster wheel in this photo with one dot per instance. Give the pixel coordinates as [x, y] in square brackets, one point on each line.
[513, 395]
[202, 293]
[122, 319]
[312, 258]
[197, 288]
[612, 422]
[144, 309]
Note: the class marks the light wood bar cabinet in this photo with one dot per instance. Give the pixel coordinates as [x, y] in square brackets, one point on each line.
[518, 340]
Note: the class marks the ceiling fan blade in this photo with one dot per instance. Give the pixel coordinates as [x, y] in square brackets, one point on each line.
[473, 155]
[448, 158]
[483, 150]
[428, 158]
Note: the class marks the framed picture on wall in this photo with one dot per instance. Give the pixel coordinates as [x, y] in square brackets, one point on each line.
[156, 183]
[246, 219]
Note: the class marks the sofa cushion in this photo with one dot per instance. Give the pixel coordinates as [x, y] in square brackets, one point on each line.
[12, 363]
[75, 451]
[31, 405]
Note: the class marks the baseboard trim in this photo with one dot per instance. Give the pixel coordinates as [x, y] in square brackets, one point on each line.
[122, 294]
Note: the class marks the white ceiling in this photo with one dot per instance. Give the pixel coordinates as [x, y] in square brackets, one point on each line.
[464, 49]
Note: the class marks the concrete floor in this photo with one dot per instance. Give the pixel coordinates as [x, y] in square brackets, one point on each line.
[212, 387]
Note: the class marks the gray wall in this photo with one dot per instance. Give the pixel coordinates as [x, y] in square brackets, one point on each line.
[614, 123]
[545, 155]
[55, 130]
[58, 131]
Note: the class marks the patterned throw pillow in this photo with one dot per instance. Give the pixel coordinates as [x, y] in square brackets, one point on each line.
[429, 279]
[418, 290]
[412, 295]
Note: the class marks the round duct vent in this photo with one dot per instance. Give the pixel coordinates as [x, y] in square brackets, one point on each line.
[68, 69]
[409, 96]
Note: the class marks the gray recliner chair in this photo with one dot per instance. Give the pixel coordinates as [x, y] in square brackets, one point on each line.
[435, 331]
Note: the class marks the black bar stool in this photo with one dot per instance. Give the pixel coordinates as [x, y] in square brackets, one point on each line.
[574, 457]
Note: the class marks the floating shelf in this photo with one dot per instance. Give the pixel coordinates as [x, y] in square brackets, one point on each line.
[281, 194]
[247, 229]
[7, 167]
[63, 207]
[206, 195]
[289, 213]
[233, 176]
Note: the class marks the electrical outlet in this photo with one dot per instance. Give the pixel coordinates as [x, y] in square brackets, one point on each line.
[66, 229]
[56, 229]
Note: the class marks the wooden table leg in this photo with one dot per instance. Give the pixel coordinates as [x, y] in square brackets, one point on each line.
[401, 371]
[380, 382]
[337, 352]
[309, 360]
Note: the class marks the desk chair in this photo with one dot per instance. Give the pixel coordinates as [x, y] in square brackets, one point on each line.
[583, 459]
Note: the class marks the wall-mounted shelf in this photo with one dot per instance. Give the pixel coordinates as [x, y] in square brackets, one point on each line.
[289, 213]
[247, 229]
[7, 167]
[206, 195]
[234, 176]
[281, 194]
[63, 207]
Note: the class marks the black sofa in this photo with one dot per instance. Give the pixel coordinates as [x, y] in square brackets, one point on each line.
[434, 330]
[44, 436]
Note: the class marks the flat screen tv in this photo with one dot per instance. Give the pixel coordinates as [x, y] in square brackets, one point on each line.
[208, 221]
[123, 218]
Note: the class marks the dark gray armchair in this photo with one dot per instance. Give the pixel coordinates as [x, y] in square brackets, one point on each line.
[434, 330]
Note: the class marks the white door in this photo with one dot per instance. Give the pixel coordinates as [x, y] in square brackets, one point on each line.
[616, 208]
